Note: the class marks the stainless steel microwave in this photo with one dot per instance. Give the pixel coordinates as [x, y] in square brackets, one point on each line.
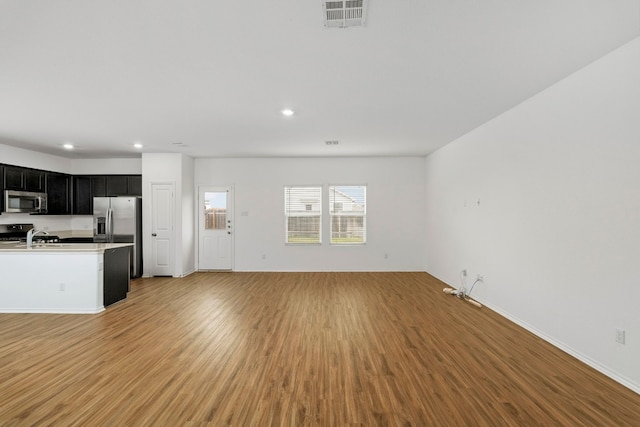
[25, 201]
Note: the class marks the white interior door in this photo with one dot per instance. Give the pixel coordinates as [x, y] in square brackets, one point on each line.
[215, 233]
[162, 243]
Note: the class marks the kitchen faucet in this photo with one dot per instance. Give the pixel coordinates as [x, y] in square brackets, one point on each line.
[32, 232]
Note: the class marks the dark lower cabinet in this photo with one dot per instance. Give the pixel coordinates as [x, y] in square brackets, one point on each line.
[116, 275]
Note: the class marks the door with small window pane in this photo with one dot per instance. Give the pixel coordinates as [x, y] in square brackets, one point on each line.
[215, 231]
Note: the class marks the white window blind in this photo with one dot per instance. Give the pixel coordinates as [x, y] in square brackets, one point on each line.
[348, 210]
[303, 215]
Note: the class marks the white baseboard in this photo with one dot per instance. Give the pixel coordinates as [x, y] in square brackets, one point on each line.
[567, 349]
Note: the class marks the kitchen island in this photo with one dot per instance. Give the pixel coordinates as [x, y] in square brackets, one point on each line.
[62, 277]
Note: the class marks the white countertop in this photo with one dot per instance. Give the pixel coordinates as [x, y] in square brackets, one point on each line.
[21, 247]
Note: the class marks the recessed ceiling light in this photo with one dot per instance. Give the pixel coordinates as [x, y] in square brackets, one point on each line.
[138, 145]
[67, 146]
[288, 112]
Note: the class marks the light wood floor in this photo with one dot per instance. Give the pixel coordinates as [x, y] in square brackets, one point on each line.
[327, 349]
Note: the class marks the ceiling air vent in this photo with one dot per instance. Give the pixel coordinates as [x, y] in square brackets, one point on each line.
[344, 13]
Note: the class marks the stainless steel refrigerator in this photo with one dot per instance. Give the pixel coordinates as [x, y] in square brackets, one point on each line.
[119, 220]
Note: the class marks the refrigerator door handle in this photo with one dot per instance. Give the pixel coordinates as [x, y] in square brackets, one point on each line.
[109, 225]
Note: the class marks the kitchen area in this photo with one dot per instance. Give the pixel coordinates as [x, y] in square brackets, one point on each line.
[68, 243]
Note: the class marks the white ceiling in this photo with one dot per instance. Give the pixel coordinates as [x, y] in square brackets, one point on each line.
[214, 75]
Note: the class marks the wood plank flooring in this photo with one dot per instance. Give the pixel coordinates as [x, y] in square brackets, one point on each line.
[295, 349]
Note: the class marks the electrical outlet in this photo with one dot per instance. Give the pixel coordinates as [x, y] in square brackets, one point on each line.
[464, 273]
[386, 256]
[62, 287]
[620, 336]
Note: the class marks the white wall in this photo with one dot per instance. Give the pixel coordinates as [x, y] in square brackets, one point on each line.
[176, 169]
[32, 159]
[557, 228]
[188, 250]
[395, 191]
[106, 167]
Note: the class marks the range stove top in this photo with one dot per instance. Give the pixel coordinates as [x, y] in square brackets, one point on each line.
[18, 233]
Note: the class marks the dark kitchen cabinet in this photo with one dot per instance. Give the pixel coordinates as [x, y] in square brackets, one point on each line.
[82, 195]
[86, 187]
[24, 179]
[134, 185]
[67, 194]
[117, 185]
[58, 194]
[2, 188]
[98, 186]
[13, 178]
[35, 180]
[116, 275]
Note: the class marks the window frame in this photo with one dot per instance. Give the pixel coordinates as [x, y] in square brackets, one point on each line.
[342, 214]
[303, 212]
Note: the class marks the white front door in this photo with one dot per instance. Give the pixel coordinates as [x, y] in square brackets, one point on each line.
[215, 233]
[162, 229]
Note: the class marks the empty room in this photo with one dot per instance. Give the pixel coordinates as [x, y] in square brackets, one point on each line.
[416, 213]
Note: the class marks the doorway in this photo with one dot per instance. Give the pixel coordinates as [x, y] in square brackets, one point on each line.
[215, 233]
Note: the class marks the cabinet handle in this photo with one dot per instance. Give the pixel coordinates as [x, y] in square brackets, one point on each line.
[154, 234]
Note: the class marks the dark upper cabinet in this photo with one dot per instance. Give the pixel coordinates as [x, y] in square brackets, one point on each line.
[58, 194]
[117, 185]
[134, 185]
[2, 188]
[82, 195]
[86, 187]
[67, 194]
[24, 179]
[98, 186]
[35, 180]
[13, 178]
